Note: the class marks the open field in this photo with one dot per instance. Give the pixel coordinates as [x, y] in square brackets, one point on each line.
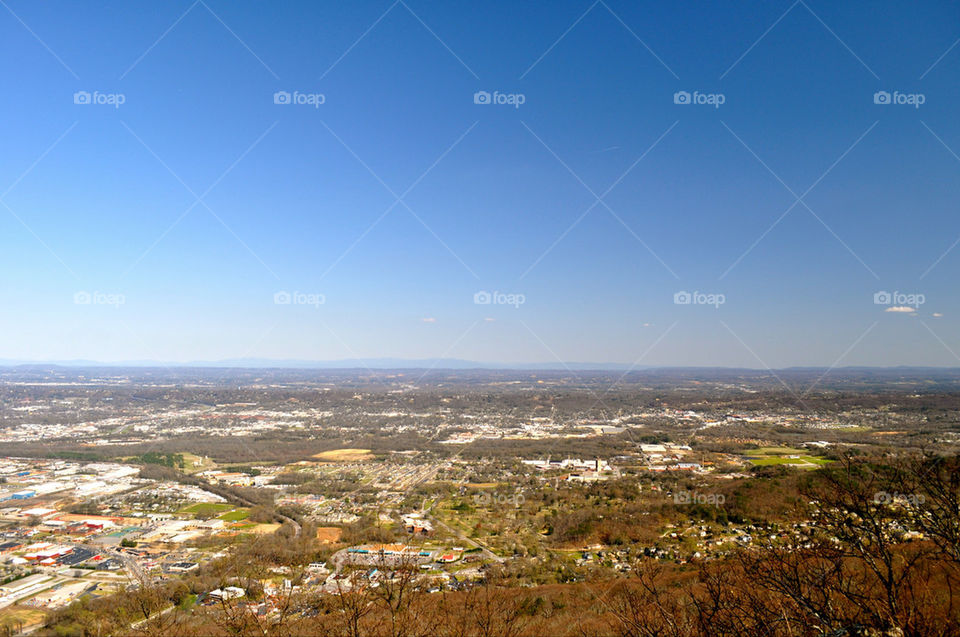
[193, 463]
[208, 508]
[264, 529]
[329, 534]
[764, 462]
[344, 455]
[13, 615]
[775, 451]
[767, 456]
[804, 461]
[235, 516]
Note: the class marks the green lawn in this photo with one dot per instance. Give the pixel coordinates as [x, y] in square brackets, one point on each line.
[208, 508]
[235, 516]
[763, 462]
[774, 451]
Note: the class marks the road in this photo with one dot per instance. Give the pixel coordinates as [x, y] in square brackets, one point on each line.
[236, 499]
[484, 549]
[143, 621]
[129, 562]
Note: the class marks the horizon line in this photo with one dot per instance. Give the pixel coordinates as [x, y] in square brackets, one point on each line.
[429, 365]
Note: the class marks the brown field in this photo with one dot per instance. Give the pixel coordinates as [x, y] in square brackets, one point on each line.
[29, 616]
[344, 455]
[329, 534]
[264, 529]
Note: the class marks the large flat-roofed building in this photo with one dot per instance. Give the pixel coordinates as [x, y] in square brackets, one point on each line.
[22, 585]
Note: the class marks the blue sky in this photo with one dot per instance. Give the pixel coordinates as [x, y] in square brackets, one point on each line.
[181, 213]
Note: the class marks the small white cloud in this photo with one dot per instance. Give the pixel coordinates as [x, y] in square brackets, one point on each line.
[429, 319]
[937, 314]
[903, 309]
[647, 324]
[489, 319]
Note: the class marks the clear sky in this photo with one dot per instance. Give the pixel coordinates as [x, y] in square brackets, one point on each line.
[166, 218]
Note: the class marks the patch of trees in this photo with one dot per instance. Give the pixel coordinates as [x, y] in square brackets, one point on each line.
[294, 478]
[172, 460]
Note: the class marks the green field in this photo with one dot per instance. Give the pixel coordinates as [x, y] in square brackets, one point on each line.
[775, 451]
[208, 508]
[763, 462]
[766, 456]
[194, 463]
[235, 516]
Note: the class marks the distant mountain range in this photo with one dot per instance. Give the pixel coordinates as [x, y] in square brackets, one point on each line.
[350, 363]
[403, 363]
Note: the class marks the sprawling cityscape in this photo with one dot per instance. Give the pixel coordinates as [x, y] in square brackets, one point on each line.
[198, 501]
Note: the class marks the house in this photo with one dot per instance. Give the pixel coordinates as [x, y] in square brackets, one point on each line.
[452, 556]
